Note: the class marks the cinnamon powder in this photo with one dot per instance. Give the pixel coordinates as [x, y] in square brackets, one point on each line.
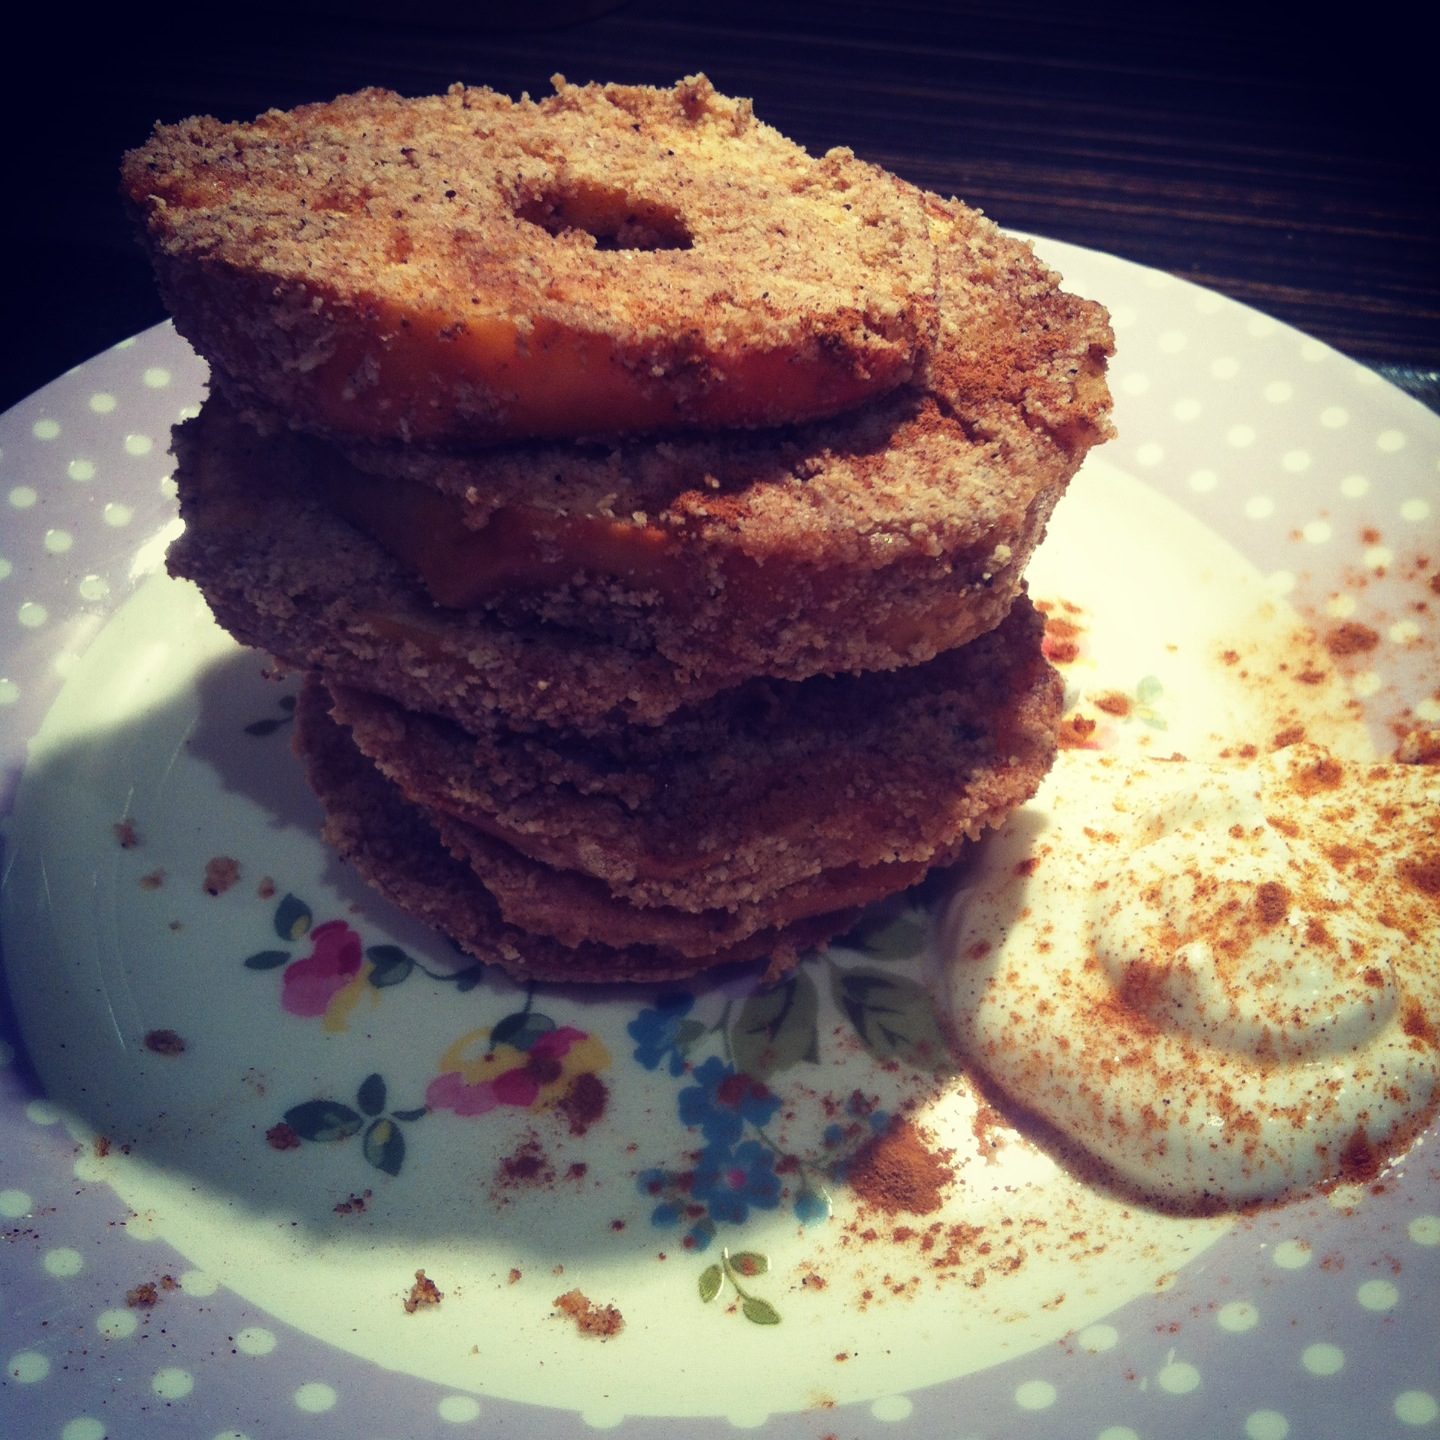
[897, 1171]
[584, 1102]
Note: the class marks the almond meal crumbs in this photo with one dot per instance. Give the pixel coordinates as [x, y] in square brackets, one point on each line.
[146, 1296]
[602, 1321]
[423, 1294]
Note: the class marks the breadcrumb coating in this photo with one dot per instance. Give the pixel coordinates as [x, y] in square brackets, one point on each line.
[702, 874]
[647, 500]
[869, 541]
[738, 800]
[471, 267]
[391, 844]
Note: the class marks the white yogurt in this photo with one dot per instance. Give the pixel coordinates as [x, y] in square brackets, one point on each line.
[1222, 981]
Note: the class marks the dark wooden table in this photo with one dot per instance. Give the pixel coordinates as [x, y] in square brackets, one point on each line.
[1285, 159]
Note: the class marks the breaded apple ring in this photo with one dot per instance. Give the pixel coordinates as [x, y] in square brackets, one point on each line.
[395, 848]
[813, 794]
[466, 268]
[862, 835]
[865, 541]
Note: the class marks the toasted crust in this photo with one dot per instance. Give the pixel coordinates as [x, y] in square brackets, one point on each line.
[867, 541]
[827, 786]
[391, 844]
[870, 541]
[722, 859]
[635, 706]
[282, 573]
[468, 267]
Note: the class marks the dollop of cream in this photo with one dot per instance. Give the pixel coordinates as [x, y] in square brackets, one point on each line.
[1219, 980]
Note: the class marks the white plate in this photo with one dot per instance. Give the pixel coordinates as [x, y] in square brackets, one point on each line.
[1258, 477]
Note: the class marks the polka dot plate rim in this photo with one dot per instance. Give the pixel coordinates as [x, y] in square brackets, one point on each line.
[1235, 417]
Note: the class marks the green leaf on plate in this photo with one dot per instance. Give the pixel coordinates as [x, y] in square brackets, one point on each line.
[389, 965]
[893, 1016]
[749, 1262]
[292, 918]
[521, 1029]
[899, 939]
[758, 1311]
[384, 1146]
[711, 1279]
[777, 1028]
[323, 1120]
[370, 1097]
[266, 959]
[687, 1033]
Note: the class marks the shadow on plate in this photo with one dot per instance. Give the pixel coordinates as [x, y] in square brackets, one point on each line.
[298, 1052]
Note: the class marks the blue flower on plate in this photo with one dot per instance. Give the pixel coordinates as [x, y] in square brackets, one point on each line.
[699, 1235]
[729, 1181]
[656, 1031]
[660, 1185]
[722, 1102]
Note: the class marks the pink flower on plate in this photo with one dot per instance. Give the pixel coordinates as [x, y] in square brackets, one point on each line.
[450, 1092]
[476, 1079]
[310, 985]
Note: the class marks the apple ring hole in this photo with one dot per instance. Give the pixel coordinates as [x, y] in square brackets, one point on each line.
[612, 219]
